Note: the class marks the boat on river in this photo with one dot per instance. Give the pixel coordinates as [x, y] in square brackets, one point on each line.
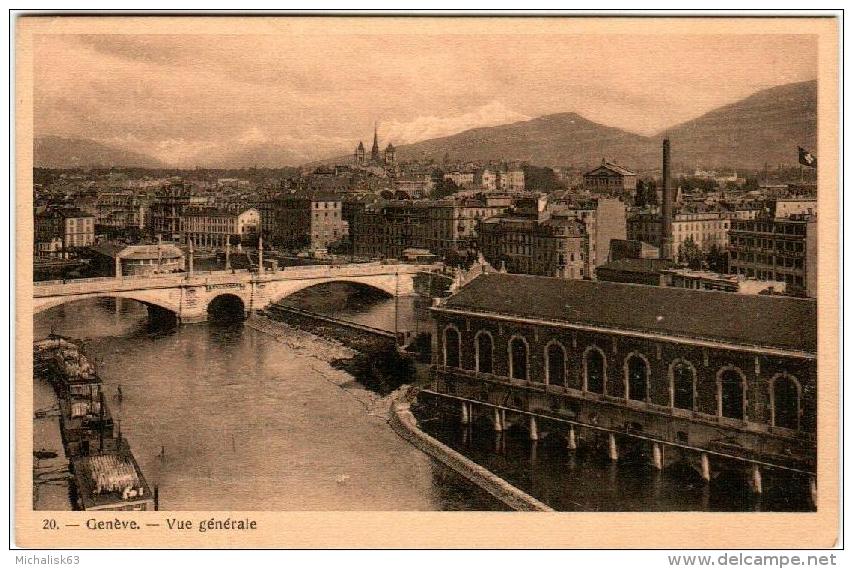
[105, 473]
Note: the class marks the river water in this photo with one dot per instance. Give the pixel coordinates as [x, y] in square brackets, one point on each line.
[248, 422]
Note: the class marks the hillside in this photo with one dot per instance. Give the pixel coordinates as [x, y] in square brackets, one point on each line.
[765, 127]
[59, 152]
[558, 139]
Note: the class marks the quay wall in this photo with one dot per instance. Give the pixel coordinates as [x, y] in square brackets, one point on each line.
[405, 425]
[355, 336]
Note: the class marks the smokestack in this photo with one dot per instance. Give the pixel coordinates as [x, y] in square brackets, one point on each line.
[666, 207]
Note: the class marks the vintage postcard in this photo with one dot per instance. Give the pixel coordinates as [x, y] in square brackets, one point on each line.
[432, 282]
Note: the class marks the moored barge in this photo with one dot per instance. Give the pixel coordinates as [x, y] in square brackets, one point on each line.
[105, 473]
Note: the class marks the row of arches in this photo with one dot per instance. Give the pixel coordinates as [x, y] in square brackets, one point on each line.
[731, 382]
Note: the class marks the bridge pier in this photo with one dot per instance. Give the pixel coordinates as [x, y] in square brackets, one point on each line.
[612, 449]
[657, 456]
[571, 439]
[193, 319]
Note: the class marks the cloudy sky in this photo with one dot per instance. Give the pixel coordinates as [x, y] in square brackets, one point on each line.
[207, 99]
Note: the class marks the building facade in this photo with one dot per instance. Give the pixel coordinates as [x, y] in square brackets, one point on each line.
[386, 229]
[610, 179]
[120, 211]
[776, 249]
[213, 227]
[705, 229]
[604, 220]
[59, 232]
[691, 375]
[138, 260]
[309, 222]
[167, 209]
[556, 246]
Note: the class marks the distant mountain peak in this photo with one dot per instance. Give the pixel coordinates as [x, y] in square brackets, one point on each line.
[766, 126]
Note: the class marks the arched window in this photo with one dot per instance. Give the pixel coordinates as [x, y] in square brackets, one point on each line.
[518, 358]
[555, 368]
[786, 402]
[636, 378]
[594, 370]
[731, 393]
[451, 346]
[683, 377]
[484, 347]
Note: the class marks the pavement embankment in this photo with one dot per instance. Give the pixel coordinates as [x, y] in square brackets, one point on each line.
[404, 424]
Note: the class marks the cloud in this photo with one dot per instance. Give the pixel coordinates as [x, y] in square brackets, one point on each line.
[426, 127]
[196, 99]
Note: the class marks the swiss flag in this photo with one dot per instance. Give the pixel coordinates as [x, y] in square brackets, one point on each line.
[807, 158]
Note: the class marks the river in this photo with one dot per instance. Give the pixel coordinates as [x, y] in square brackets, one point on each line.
[247, 422]
[584, 480]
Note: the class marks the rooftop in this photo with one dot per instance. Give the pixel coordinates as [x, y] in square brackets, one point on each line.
[639, 265]
[750, 320]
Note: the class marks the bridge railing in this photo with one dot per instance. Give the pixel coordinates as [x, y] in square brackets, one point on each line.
[97, 284]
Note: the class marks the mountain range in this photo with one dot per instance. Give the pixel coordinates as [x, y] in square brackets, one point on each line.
[764, 128]
[61, 152]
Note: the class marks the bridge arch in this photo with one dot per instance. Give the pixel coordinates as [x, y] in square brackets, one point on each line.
[148, 298]
[226, 307]
[388, 285]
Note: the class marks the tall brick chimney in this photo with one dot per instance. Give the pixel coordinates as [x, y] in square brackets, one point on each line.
[666, 251]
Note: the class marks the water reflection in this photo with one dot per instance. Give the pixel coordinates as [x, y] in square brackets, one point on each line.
[587, 480]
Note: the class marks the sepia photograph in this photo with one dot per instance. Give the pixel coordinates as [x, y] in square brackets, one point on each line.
[345, 266]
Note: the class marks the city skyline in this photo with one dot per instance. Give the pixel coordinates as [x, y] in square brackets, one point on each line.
[194, 100]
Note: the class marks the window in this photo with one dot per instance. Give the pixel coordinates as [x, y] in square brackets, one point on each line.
[636, 378]
[555, 370]
[485, 347]
[451, 346]
[594, 370]
[786, 402]
[683, 385]
[518, 358]
[730, 393]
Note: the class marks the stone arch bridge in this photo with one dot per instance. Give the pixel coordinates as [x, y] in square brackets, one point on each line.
[188, 296]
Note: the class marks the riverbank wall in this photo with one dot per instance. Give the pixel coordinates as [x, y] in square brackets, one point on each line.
[355, 336]
[403, 422]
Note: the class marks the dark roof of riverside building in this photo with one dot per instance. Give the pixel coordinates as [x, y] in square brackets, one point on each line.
[639, 265]
[778, 322]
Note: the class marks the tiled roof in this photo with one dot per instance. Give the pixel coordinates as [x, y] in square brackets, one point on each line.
[614, 167]
[751, 320]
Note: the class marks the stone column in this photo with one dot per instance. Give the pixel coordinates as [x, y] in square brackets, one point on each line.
[613, 450]
[756, 479]
[571, 440]
[705, 466]
[657, 456]
[228, 255]
[499, 425]
[261, 253]
[534, 429]
[466, 413]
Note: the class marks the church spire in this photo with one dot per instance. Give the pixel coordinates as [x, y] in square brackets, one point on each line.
[374, 152]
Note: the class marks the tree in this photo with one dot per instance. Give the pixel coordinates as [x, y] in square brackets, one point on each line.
[646, 193]
[690, 254]
[717, 259]
[443, 188]
[541, 179]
